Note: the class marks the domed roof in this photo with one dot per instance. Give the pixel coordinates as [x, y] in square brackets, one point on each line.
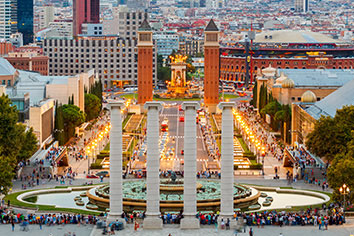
[308, 97]
[281, 78]
[269, 71]
[287, 83]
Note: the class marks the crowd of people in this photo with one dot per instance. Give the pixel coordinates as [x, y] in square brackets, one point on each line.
[8, 216]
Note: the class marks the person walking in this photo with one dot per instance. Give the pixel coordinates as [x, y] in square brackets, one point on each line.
[251, 232]
[216, 225]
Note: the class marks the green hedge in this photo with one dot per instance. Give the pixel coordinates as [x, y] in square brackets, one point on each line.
[257, 166]
[102, 155]
[95, 166]
[250, 155]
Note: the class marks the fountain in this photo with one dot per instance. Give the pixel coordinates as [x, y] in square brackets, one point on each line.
[171, 195]
[178, 87]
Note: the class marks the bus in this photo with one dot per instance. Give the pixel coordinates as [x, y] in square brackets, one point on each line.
[164, 125]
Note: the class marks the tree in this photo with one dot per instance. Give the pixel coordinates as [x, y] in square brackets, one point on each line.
[73, 117]
[6, 173]
[59, 124]
[93, 106]
[15, 142]
[341, 171]
[331, 135]
[254, 97]
[29, 143]
[271, 108]
[163, 73]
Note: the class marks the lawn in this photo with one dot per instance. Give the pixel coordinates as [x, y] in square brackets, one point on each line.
[130, 96]
[14, 202]
[243, 145]
[176, 99]
[228, 96]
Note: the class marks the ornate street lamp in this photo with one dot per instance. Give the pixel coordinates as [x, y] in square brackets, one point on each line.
[344, 190]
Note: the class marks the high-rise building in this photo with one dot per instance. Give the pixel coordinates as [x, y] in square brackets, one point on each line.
[8, 18]
[25, 20]
[46, 15]
[302, 5]
[85, 11]
[129, 21]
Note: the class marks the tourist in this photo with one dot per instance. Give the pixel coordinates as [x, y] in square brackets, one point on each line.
[216, 225]
[251, 232]
[227, 224]
[12, 225]
[222, 224]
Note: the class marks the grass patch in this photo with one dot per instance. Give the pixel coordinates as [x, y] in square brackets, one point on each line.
[107, 147]
[176, 99]
[228, 96]
[243, 145]
[32, 199]
[14, 202]
[130, 96]
[125, 121]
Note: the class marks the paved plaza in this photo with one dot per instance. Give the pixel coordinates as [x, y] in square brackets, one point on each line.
[79, 230]
[174, 230]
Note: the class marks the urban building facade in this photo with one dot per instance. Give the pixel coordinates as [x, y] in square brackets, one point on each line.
[25, 20]
[115, 60]
[8, 18]
[302, 5]
[30, 61]
[166, 42]
[129, 22]
[45, 16]
[85, 11]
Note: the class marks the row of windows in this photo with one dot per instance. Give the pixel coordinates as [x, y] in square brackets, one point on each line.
[90, 49]
[88, 43]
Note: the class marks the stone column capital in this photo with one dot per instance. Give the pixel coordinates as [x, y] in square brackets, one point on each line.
[116, 104]
[191, 104]
[149, 105]
[225, 105]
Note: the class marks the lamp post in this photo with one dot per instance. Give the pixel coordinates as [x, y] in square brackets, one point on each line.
[344, 190]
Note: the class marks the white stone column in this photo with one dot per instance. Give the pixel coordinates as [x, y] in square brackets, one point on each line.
[227, 161]
[190, 167]
[152, 220]
[115, 166]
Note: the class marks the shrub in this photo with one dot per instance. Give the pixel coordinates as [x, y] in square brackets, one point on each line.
[95, 166]
[257, 166]
[195, 95]
[157, 96]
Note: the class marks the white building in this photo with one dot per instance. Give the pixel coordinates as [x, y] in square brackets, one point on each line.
[8, 18]
[46, 16]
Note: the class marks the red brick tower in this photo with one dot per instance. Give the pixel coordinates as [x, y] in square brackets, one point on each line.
[145, 63]
[211, 66]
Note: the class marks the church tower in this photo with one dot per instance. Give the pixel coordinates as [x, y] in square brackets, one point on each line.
[211, 66]
[145, 63]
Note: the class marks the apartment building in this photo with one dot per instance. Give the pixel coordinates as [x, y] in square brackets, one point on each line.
[114, 59]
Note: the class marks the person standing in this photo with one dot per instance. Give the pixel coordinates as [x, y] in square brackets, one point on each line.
[251, 231]
[12, 225]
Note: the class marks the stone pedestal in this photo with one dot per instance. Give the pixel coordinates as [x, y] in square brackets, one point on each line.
[227, 161]
[115, 167]
[190, 167]
[152, 220]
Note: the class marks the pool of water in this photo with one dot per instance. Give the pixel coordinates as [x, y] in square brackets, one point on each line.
[284, 200]
[280, 200]
[65, 200]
